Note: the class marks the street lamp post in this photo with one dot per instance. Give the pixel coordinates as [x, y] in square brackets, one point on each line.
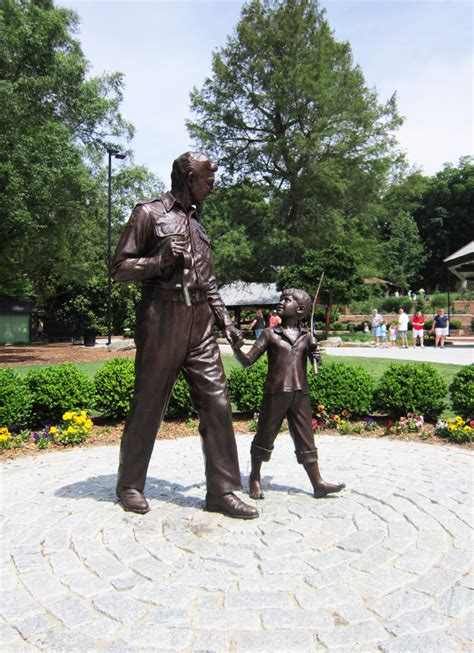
[117, 155]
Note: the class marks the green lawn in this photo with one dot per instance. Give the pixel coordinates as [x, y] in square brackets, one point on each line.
[375, 366]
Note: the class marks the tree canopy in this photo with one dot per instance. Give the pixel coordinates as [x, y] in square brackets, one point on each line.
[287, 108]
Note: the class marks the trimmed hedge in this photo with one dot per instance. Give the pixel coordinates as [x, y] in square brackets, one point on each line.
[114, 387]
[57, 389]
[246, 386]
[15, 401]
[461, 391]
[411, 387]
[339, 387]
[114, 384]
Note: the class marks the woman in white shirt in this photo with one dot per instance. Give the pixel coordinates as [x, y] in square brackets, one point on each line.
[403, 327]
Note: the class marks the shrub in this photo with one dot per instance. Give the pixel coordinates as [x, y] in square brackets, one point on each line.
[337, 326]
[455, 324]
[246, 386]
[411, 387]
[341, 387]
[15, 401]
[114, 387]
[180, 404]
[114, 384]
[57, 389]
[393, 304]
[461, 391]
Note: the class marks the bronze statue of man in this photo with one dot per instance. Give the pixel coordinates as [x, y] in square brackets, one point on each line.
[166, 248]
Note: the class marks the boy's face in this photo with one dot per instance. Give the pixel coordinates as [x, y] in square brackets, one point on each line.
[288, 306]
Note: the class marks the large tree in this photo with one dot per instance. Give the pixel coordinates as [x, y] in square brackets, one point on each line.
[286, 106]
[54, 121]
[445, 218]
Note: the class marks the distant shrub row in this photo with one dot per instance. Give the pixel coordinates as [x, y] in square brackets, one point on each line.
[44, 394]
[404, 387]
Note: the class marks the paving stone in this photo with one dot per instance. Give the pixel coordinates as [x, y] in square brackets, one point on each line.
[226, 620]
[17, 601]
[32, 625]
[350, 614]
[282, 641]
[356, 635]
[463, 629]
[61, 641]
[362, 541]
[417, 561]
[122, 608]
[297, 619]
[437, 581]
[71, 611]
[420, 621]
[400, 602]
[383, 581]
[242, 600]
[311, 599]
[456, 601]
[209, 641]
[422, 643]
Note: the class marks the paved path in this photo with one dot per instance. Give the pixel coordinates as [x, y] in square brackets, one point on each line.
[453, 355]
[384, 566]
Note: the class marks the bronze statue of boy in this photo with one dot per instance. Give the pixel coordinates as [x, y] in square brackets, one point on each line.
[286, 391]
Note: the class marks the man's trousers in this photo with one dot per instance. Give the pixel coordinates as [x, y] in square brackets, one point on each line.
[170, 337]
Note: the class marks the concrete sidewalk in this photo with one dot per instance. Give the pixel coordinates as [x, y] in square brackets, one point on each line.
[454, 355]
[383, 566]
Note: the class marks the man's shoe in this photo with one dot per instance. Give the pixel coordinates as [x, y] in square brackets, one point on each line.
[231, 505]
[133, 501]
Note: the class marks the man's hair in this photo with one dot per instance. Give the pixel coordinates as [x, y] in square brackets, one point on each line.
[186, 163]
[301, 297]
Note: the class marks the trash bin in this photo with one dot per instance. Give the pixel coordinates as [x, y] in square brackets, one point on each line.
[89, 336]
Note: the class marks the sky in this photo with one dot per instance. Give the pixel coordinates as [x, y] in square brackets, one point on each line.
[422, 50]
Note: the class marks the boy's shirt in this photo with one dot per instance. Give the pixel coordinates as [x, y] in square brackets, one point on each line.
[287, 362]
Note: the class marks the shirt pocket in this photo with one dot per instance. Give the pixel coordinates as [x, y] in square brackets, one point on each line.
[165, 228]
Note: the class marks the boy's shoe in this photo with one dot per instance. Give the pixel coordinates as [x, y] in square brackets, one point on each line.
[327, 488]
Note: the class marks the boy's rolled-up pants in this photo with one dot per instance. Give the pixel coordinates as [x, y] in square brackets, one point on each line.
[296, 407]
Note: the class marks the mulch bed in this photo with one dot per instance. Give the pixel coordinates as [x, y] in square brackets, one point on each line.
[106, 431]
[56, 353]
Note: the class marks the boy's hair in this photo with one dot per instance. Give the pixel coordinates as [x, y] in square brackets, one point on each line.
[301, 297]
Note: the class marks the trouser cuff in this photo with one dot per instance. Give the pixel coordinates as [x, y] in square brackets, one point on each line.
[307, 457]
[260, 454]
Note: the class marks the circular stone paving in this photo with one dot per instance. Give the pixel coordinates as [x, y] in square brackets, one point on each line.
[383, 566]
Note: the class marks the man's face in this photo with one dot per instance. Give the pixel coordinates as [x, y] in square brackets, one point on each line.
[201, 184]
[287, 306]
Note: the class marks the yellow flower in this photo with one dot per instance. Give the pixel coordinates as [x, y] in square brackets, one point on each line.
[67, 416]
[336, 418]
[342, 421]
[84, 414]
[53, 430]
[451, 427]
[71, 429]
[3, 430]
[468, 429]
[88, 424]
[4, 437]
[77, 420]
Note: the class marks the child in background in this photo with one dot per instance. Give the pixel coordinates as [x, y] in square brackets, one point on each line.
[383, 334]
[393, 335]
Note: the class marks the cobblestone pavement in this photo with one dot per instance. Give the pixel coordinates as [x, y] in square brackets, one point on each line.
[384, 566]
